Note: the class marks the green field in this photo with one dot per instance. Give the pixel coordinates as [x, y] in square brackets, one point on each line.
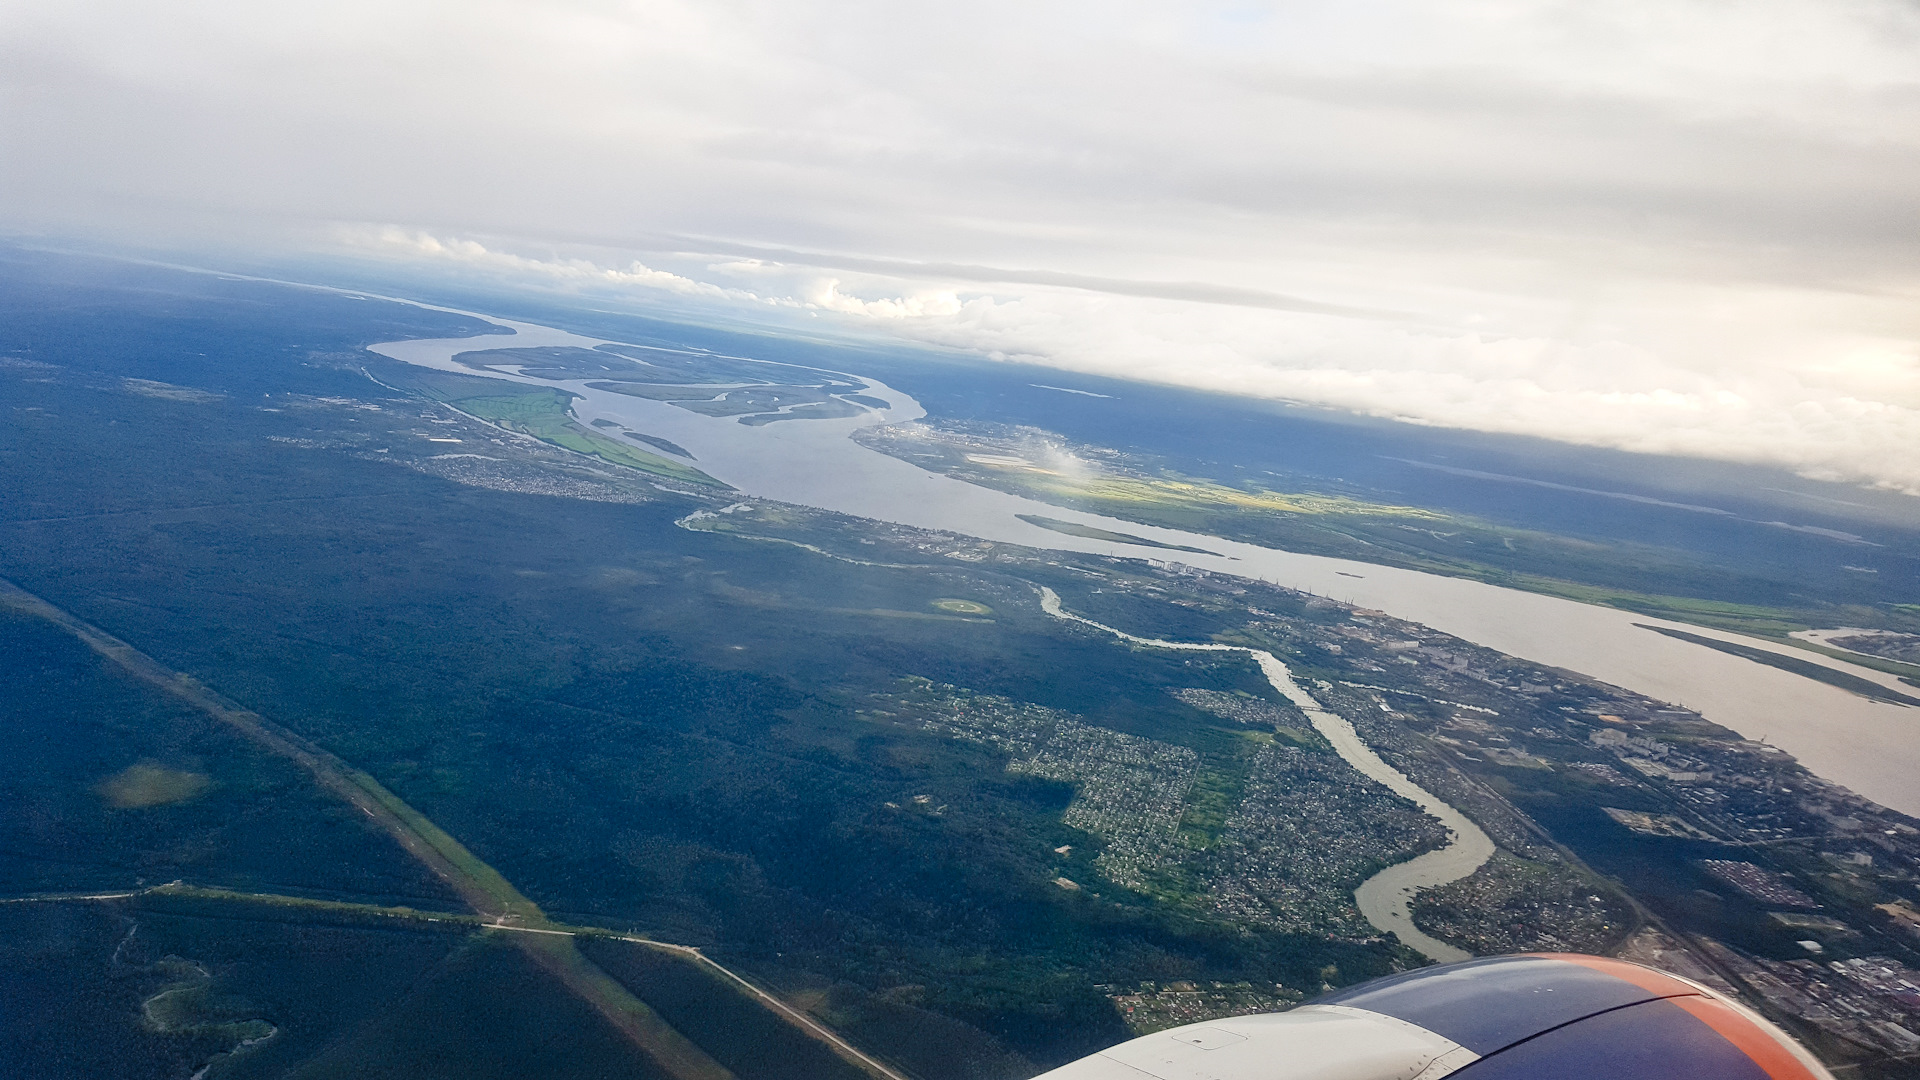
[544, 414]
[962, 607]
[1072, 528]
[1642, 578]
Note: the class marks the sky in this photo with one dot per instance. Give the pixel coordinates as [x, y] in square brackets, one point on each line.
[1678, 227]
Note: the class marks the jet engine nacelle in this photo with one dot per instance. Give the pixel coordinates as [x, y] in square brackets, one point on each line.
[1531, 1017]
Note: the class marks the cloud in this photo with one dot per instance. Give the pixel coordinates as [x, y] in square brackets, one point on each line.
[395, 241]
[1681, 226]
[1839, 409]
[826, 294]
[1815, 419]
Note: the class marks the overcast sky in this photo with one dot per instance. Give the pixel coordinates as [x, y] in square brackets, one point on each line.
[1673, 226]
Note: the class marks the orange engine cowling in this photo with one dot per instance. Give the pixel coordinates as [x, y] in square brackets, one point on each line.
[1532, 1017]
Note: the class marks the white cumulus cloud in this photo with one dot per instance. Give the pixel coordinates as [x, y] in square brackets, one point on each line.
[1682, 226]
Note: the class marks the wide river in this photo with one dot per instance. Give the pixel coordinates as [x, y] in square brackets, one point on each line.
[1869, 746]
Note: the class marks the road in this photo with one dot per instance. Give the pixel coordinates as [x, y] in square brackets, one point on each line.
[807, 1024]
[480, 886]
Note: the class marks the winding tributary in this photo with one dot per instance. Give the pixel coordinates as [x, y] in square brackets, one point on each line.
[1383, 898]
[1872, 747]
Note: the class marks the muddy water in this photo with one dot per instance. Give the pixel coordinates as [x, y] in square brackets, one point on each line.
[1871, 747]
[1384, 897]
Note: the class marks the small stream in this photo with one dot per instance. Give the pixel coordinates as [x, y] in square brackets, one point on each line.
[1384, 897]
[1868, 746]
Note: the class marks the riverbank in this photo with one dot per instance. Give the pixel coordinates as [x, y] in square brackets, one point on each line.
[1385, 898]
[1865, 745]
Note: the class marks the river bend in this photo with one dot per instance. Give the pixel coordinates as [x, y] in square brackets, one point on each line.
[1869, 746]
[1383, 898]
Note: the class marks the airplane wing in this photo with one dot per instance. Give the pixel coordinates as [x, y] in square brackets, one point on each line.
[1533, 1017]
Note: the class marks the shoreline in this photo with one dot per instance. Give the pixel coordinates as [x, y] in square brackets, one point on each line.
[1384, 898]
[1864, 745]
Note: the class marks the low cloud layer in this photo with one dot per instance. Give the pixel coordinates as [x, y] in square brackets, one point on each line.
[1686, 227]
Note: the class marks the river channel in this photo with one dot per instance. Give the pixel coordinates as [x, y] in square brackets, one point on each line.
[1869, 746]
[1383, 898]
